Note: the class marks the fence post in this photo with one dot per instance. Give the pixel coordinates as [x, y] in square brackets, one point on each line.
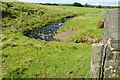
[105, 60]
[97, 50]
[111, 63]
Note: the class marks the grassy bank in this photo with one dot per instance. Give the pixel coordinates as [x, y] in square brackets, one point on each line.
[25, 57]
[86, 25]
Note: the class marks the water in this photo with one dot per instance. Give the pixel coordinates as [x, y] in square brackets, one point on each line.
[47, 33]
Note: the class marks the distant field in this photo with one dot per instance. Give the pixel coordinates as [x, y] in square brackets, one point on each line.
[25, 57]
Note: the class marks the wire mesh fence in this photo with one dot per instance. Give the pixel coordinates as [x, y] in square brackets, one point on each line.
[82, 68]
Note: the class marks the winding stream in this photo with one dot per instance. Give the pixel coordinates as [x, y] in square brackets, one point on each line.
[47, 33]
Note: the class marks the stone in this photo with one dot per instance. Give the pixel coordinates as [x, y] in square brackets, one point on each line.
[97, 50]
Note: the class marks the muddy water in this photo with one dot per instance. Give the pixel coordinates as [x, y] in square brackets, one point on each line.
[46, 33]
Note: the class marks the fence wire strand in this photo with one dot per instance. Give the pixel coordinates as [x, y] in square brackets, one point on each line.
[74, 68]
[83, 62]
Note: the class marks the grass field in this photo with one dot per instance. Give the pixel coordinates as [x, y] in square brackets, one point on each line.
[86, 25]
[23, 57]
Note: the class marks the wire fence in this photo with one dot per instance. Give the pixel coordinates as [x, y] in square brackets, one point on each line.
[74, 69]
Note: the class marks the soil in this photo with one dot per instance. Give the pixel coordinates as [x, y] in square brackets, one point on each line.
[65, 36]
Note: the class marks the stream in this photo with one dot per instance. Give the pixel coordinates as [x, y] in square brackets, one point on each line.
[47, 33]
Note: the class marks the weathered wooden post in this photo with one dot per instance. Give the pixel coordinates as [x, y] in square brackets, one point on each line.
[105, 61]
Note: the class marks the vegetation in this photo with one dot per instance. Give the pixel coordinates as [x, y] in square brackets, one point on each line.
[80, 5]
[87, 5]
[23, 57]
[77, 4]
[88, 25]
[99, 6]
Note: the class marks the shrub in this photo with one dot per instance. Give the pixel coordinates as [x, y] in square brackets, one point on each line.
[77, 4]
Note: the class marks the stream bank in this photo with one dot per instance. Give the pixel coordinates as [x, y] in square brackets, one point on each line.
[47, 33]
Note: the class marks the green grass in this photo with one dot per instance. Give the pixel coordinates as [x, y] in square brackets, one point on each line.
[23, 57]
[86, 24]
[44, 60]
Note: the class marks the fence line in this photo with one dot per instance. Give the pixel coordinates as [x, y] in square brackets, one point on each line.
[74, 67]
